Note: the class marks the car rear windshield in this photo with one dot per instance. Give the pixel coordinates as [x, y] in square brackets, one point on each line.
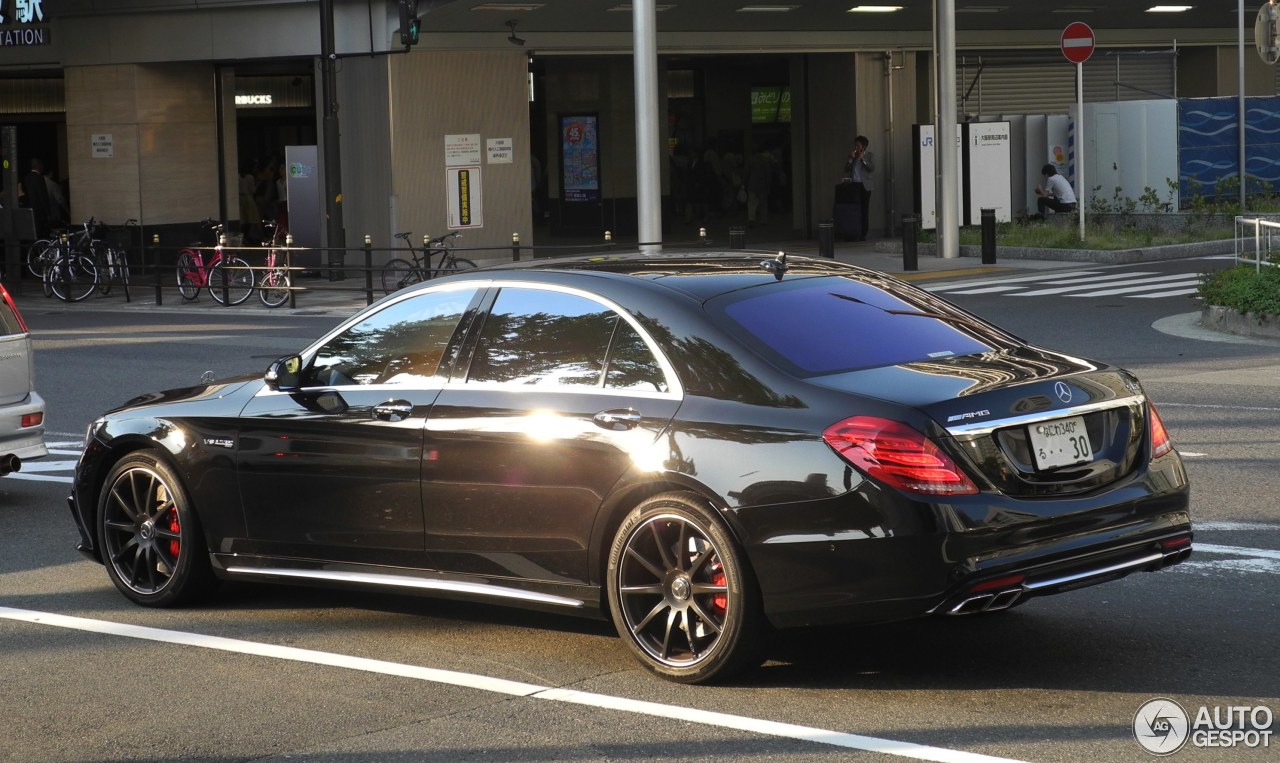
[818, 326]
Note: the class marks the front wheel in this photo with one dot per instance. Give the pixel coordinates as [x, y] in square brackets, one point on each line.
[681, 593]
[188, 269]
[398, 274]
[152, 545]
[458, 263]
[71, 278]
[230, 281]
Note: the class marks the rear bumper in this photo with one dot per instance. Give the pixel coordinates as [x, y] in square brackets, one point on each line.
[26, 443]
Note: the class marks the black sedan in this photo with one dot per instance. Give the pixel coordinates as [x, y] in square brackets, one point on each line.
[700, 447]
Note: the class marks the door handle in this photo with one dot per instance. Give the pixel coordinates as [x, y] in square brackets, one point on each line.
[393, 410]
[617, 419]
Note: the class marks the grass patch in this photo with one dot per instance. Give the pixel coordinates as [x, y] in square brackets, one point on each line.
[1243, 289]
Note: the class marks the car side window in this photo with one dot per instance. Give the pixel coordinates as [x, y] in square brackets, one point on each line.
[401, 344]
[631, 364]
[543, 338]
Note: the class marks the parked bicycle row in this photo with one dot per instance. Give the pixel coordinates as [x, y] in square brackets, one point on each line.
[76, 262]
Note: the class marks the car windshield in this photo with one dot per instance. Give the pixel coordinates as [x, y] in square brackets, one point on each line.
[818, 326]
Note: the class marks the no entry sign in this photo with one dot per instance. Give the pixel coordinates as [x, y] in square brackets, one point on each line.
[1077, 42]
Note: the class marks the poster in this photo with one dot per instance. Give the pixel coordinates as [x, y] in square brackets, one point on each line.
[466, 197]
[580, 158]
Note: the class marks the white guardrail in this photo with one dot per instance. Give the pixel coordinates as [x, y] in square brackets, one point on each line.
[1262, 232]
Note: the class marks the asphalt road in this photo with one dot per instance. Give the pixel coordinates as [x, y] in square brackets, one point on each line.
[275, 673]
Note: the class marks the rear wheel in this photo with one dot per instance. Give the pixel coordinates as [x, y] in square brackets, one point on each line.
[681, 593]
[398, 274]
[236, 276]
[274, 289]
[152, 545]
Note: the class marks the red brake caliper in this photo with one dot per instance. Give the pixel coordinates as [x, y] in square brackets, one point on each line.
[174, 545]
[720, 601]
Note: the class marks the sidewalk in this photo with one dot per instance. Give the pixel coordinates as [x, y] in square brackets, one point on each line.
[319, 296]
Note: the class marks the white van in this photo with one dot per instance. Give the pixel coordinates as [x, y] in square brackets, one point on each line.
[21, 409]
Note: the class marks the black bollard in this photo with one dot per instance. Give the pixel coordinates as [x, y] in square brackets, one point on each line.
[738, 238]
[368, 270]
[827, 239]
[909, 257]
[988, 237]
[515, 247]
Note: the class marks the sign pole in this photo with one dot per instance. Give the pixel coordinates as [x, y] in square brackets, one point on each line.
[1077, 43]
[1080, 146]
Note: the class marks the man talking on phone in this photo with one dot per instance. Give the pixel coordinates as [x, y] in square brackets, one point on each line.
[858, 170]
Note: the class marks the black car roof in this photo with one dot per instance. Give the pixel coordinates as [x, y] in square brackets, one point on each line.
[701, 275]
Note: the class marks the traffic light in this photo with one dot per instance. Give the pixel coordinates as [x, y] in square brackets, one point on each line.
[409, 22]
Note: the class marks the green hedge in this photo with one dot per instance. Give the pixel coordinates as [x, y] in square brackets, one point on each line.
[1243, 289]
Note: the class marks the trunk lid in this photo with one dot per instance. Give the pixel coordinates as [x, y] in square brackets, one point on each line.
[1032, 422]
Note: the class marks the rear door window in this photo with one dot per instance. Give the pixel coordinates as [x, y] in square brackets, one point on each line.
[547, 339]
[818, 326]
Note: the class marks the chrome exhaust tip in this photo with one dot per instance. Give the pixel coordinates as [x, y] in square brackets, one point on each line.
[9, 464]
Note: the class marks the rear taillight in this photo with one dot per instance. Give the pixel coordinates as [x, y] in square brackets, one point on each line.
[8, 300]
[1161, 445]
[32, 420]
[898, 455]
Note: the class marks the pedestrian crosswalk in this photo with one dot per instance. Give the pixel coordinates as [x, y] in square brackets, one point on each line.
[1080, 283]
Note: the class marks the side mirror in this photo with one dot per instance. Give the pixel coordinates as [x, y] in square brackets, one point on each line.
[285, 374]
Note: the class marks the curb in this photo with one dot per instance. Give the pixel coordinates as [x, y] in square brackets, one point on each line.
[1226, 320]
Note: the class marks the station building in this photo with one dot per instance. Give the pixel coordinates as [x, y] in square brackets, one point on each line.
[153, 109]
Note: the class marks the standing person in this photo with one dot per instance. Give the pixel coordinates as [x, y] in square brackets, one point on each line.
[1056, 193]
[759, 184]
[249, 219]
[36, 192]
[858, 169]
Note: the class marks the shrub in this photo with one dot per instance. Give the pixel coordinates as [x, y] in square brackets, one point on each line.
[1243, 289]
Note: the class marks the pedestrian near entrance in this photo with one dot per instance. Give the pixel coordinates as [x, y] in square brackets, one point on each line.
[759, 182]
[859, 170]
[1055, 193]
[36, 194]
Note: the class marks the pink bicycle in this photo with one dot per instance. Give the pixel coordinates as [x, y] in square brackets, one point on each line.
[228, 278]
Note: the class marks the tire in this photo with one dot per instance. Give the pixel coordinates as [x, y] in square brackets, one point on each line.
[39, 256]
[105, 270]
[274, 289]
[188, 276]
[398, 274]
[239, 280]
[681, 593]
[72, 278]
[458, 263]
[152, 545]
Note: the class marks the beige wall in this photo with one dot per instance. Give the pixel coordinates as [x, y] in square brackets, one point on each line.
[834, 122]
[164, 144]
[436, 94]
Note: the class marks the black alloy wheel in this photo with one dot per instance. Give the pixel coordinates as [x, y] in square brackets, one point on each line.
[152, 545]
[681, 594]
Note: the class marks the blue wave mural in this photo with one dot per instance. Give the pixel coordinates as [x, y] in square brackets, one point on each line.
[1209, 147]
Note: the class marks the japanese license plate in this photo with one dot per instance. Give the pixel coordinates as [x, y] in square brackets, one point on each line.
[1061, 442]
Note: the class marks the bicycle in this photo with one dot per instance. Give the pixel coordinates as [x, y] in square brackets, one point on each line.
[228, 278]
[112, 263]
[399, 272]
[69, 275]
[275, 285]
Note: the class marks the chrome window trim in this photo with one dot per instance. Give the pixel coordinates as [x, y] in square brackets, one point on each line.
[987, 427]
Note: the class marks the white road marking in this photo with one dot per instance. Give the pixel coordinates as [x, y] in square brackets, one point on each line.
[510, 688]
[1191, 454]
[23, 475]
[1094, 283]
[1014, 279]
[1175, 293]
[1236, 526]
[1181, 285]
[1257, 553]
